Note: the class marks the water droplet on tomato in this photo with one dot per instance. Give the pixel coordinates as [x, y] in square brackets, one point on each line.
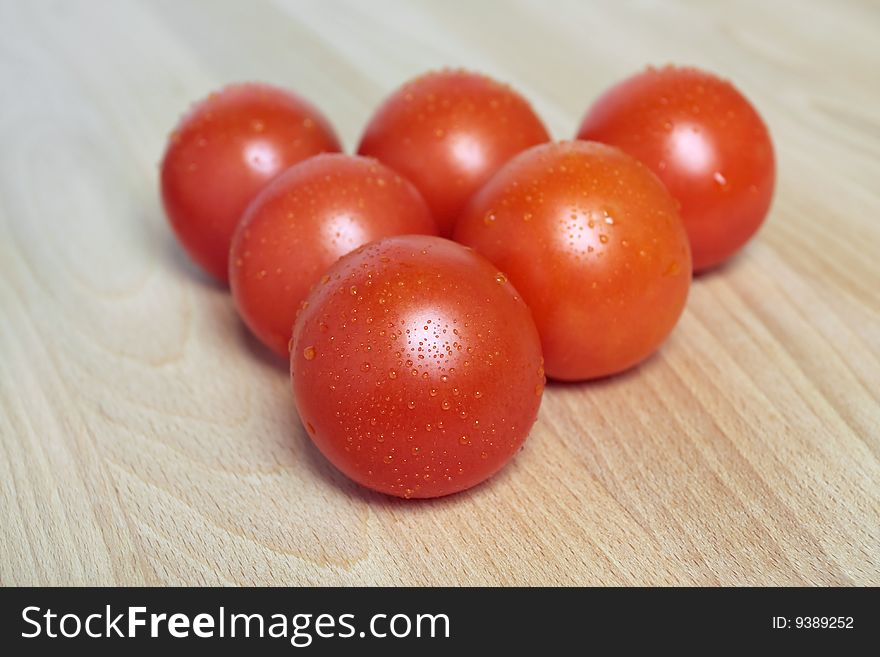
[672, 269]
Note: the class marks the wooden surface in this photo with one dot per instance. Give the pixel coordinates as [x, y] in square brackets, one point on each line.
[147, 439]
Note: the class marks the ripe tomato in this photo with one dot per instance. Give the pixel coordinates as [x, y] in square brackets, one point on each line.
[596, 246]
[305, 220]
[448, 132]
[706, 143]
[416, 367]
[224, 151]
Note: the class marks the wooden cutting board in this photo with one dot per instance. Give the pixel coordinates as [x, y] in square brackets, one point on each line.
[147, 439]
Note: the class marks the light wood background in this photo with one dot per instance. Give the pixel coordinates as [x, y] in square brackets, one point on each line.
[147, 439]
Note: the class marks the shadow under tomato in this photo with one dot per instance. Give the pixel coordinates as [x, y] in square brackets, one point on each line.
[178, 259]
[618, 378]
[258, 351]
[158, 239]
[722, 268]
[325, 470]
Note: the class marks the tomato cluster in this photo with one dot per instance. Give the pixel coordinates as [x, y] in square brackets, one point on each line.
[417, 362]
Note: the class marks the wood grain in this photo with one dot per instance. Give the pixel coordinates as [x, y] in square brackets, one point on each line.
[147, 439]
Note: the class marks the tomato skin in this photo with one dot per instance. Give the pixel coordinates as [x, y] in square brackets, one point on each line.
[707, 144]
[448, 132]
[303, 222]
[224, 151]
[595, 244]
[416, 367]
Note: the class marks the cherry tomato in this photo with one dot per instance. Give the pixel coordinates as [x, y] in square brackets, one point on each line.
[312, 214]
[595, 244]
[416, 367]
[706, 143]
[224, 151]
[448, 132]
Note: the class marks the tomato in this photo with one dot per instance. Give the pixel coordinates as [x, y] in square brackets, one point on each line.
[706, 143]
[448, 132]
[595, 244]
[416, 367]
[302, 223]
[223, 152]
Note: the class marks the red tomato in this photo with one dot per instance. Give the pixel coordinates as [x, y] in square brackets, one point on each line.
[448, 132]
[596, 246]
[302, 223]
[706, 143]
[416, 367]
[223, 152]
